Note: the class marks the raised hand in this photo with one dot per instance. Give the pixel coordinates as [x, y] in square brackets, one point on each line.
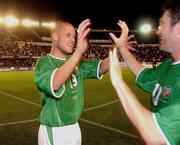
[124, 41]
[82, 36]
[115, 68]
[131, 42]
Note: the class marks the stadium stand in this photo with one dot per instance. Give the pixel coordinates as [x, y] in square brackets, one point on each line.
[21, 47]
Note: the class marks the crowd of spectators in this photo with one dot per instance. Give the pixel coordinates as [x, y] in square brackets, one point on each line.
[27, 49]
[18, 52]
[28, 54]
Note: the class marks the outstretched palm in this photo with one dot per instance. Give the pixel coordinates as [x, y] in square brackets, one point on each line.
[124, 41]
[115, 68]
[82, 35]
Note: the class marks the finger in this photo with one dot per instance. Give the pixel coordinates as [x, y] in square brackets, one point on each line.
[82, 23]
[132, 43]
[124, 32]
[122, 24]
[131, 48]
[85, 34]
[123, 27]
[130, 37]
[83, 26]
[112, 36]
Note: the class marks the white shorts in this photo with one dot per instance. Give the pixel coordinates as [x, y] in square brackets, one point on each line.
[65, 135]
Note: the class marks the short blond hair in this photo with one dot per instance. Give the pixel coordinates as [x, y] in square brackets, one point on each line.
[58, 25]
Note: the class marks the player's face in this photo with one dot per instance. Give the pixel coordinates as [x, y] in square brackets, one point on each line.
[66, 38]
[167, 34]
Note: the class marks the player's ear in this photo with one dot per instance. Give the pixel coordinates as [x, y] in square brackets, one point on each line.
[54, 35]
[178, 28]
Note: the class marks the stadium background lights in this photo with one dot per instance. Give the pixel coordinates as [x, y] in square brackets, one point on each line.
[29, 23]
[1, 19]
[48, 24]
[13, 21]
[146, 28]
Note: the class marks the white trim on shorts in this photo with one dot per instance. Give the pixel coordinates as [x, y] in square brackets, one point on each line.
[43, 138]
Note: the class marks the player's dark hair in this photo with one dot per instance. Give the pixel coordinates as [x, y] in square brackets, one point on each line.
[173, 6]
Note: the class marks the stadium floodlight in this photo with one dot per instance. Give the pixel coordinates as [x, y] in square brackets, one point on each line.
[48, 24]
[11, 21]
[1, 20]
[27, 22]
[146, 28]
[35, 23]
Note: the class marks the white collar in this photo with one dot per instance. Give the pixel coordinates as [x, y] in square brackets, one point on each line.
[56, 57]
[176, 62]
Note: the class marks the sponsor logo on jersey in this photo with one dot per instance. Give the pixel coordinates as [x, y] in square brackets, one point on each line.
[166, 92]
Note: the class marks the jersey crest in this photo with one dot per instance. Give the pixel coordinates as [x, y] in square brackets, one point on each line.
[158, 91]
[166, 92]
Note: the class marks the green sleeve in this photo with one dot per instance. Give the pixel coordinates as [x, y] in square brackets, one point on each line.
[148, 77]
[44, 73]
[90, 69]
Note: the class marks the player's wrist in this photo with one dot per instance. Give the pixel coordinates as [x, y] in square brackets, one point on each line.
[78, 53]
[121, 45]
[123, 48]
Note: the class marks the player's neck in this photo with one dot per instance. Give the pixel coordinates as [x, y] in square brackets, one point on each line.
[176, 56]
[56, 53]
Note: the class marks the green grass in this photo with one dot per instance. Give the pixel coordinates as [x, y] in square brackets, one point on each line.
[105, 125]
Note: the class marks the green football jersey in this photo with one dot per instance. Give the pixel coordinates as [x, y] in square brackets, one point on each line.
[164, 84]
[64, 106]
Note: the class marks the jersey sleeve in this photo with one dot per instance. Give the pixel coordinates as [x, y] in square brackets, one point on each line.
[147, 78]
[44, 73]
[90, 69]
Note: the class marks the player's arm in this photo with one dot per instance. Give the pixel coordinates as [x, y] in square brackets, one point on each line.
[64, 72]
[136, 112]
[122, 44]
[104, 66]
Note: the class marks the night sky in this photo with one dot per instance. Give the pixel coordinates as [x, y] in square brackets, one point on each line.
[103, 14]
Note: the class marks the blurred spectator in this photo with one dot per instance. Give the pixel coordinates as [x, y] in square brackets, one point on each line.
[29, 54]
